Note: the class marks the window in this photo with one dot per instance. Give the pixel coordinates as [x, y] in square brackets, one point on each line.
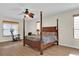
[76, 27]
[7, 26]
[0, 29]
[38, 27]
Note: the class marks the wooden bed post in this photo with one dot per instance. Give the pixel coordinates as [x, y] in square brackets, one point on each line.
[57, 34]
[24, 30]
[41, 51]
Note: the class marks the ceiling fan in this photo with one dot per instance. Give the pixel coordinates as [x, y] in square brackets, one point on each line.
[30, 14]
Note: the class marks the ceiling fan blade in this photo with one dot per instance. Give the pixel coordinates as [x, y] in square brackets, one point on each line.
[21, 13]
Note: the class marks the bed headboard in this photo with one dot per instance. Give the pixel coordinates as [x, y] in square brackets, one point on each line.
[49, 29]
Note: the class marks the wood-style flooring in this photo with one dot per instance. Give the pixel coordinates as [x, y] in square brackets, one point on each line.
[17, 49]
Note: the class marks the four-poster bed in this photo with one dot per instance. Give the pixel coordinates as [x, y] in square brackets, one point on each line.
[48, 36]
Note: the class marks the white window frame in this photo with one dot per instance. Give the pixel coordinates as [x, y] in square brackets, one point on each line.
[76, 27]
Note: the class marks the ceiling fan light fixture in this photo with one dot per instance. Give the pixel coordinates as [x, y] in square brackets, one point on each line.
[26, 12]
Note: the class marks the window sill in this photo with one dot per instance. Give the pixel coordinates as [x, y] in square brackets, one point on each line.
[7, 36]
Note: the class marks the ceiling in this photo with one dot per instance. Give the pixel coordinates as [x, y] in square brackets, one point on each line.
[14, 10]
